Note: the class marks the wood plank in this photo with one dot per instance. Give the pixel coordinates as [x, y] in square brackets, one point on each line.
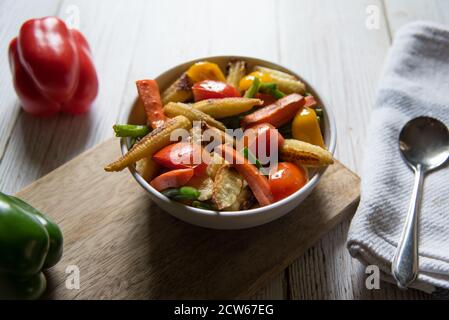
[12, 14]
[38, 145]
[125, 247]
[329, 44]
[401, 12]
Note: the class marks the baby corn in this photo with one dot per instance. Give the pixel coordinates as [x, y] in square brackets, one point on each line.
[236, 71]
[285, 82]
[305, 153]
[226, 107]
[175, 109]
[152, 142]
[179, 91]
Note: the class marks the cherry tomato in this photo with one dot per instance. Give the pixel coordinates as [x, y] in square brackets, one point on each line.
[286, 180]
[259, 135]
[183, 155]
[210, 89]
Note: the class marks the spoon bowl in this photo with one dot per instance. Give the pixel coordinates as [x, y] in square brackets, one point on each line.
[424, 141]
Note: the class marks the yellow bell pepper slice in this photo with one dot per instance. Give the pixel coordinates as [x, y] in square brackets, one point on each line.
[205, 70]
[305, 127]
[247, 81]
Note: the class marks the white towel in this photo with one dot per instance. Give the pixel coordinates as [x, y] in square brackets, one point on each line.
[415, 83]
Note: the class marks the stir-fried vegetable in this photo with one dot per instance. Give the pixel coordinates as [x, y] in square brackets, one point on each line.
[172, 179]
[151, 143]
[272, 90]
[305, 153]
[276, 114]
[130, 130]
[183, 193]
[228, 184]
[287, 83]
[248, 80]
[236, 71]
[254, 89]
[256, 181]
[226, 107]
[305, 127]
[205, 70]
[151, 99]
[175, 109]
[286, 180]
[210, 89]
[179, 91]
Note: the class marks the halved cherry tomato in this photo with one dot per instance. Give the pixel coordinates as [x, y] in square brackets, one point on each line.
[210, 89]
[286, 180]
[172, 179]
[183, 155]
[266, 98]
[262, 134]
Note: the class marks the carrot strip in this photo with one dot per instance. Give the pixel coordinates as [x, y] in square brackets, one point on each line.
[278, 113]
[151, 99]
[256, 181]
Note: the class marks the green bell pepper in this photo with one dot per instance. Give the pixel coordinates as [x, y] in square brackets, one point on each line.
[29, 243]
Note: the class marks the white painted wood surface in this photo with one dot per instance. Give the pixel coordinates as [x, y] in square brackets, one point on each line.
[325, 41]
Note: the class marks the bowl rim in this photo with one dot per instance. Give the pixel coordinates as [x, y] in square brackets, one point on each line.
[310, 185]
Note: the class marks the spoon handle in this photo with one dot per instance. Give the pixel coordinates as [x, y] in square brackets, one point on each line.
[405, 261]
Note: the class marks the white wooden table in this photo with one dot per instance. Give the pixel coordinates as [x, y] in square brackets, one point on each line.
[328, 42]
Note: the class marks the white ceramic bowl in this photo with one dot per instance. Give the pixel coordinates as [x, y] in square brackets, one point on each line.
[235, 219]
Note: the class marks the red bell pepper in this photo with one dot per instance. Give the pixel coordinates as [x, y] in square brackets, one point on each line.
[52, 68]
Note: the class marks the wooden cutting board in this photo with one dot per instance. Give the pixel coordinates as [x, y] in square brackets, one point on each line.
[127, 248]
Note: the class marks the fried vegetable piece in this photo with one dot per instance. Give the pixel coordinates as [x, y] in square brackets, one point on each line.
[151, 99]
[287, 83]
[205, 70]
[228, 184]
[204, 185]
[305, 153]
[305, 127]
[152, 142]
[276, 114]
[236, 71]
[245, 200]
[256, 181]
[147, 168]
[179, 91]
[174, 109]
[172, 179]
[226, 107]
[216, 162]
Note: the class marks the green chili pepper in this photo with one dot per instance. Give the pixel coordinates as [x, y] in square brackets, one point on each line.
[183, 193]
[254, 89]
[189, 192]
[271, 89]
[203, 205]
[130, 130]
[252, 159]
[29, 243]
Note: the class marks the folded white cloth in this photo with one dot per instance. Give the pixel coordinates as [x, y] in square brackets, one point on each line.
[415, 83]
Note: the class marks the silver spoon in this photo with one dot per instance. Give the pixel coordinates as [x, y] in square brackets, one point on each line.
[424, 145]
